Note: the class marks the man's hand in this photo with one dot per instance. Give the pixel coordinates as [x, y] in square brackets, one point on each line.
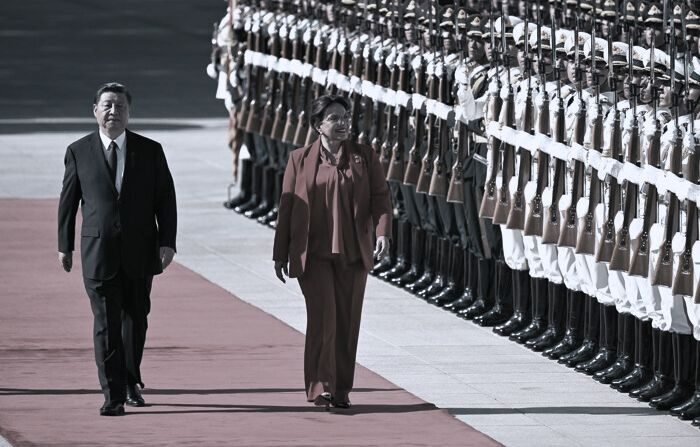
[166, 256]
[281, 267]
[382, 249]
[66, 260]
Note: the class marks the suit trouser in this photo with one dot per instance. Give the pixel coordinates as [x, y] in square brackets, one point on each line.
[334, 293]
[120, 307]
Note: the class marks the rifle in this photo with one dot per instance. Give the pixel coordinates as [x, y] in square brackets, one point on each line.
[500, 214]
[619, 260]
[414, 161]
[396, 169]
[357, 99]
[488, 201]
[368, 74]
[252, 27]
[254, 108]
[269, 107]
[391, 112]
[551, 222]
[303, 130]
[568, 231]
[639, 260]
[516, 215]
[382, 80]
[534, 220]
[585, 243]
[614, 150]
[320, 62]
[426, 171]
[438, 180]
[455, 190]
[683, 281]
[292, 121]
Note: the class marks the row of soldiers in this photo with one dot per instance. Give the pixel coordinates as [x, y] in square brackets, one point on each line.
[595, 270]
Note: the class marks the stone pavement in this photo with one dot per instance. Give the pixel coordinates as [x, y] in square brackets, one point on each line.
[515, 396]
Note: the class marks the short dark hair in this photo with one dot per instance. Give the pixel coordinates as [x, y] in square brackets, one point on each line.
[320, 104]
[113, 87]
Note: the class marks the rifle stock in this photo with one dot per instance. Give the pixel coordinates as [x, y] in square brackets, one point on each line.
[516, 215]
[683, 281]
[455, 192]
[396, 164]
[606, 244]
[585, 243]
[620, 258]
[488, 201]
[552, 222]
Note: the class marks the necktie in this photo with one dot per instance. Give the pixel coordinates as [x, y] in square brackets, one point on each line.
[112, 159]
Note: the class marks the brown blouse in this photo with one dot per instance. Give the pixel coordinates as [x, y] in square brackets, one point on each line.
[332, 226]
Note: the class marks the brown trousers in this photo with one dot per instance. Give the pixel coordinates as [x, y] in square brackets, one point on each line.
[334, 293]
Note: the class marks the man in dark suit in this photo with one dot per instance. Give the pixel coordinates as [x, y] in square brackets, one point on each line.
[122, 181]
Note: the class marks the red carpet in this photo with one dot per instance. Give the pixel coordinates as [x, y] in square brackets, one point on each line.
[217, 370]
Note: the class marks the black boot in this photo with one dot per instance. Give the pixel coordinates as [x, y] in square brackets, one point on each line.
[403, 251]
[608, 347]
[245, 185]
[624, 363]
[643, 365]
[690, 409]
[573, 335]
[683, 374]
[470, 278]
[428, 266]
[268, 194]
[521, 302]
[454, 277]
[440, 279]
[271, 216]
[255, 193]
[557, 295]
[539, 298]
[589, 347]
[485, 290]
[417, 244]
[503, 307]
[662, 382]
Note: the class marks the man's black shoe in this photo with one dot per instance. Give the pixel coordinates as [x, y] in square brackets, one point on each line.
[112, 409]
[133, 396]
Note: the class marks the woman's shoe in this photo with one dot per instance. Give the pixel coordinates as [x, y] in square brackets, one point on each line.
[323, 400]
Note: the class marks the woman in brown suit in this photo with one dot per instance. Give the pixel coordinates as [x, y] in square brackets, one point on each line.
[334, 197]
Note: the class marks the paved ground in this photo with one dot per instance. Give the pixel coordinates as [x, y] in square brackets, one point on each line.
[501, 389]
[54, 55]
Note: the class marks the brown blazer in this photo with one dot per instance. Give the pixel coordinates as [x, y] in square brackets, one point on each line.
[371, 203]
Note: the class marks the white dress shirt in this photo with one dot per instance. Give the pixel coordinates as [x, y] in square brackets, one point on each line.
[121, 156]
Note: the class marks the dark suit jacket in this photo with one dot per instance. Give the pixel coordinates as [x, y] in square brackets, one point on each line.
[371, 207]
[123, 229]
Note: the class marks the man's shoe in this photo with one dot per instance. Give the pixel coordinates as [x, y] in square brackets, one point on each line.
[112, 409]
[133, 396]
[343, 405]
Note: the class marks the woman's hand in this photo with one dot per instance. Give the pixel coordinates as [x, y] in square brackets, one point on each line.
[382, 249]
[281, 267]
